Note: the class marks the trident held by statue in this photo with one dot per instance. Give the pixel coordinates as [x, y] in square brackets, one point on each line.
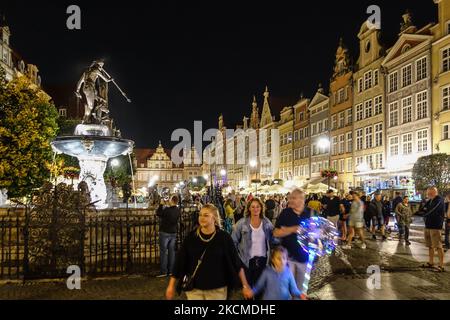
[117, 86]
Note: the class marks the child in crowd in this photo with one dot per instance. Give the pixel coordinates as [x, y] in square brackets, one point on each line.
[277, 281]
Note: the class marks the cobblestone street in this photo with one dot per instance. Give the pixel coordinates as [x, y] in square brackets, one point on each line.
[342, 276]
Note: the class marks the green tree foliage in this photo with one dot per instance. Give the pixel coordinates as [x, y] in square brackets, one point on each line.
[432, 170]
[28, 123]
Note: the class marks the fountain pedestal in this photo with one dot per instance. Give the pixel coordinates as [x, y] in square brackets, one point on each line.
[93, 151]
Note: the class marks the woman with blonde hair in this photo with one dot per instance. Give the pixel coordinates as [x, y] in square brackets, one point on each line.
[207, 265]
[253, 238]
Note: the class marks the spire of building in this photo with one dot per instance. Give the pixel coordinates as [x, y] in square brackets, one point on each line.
[254, 118]
[320, 88]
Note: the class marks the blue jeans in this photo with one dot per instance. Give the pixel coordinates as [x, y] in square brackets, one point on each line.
[167, 251]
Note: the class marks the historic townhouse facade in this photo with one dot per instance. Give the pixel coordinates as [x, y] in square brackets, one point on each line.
[341, 119]
[320, 135]
[286, 131]
[13, 65]
[301, 142]
[408, 101]
[155, 167]
[440, 76]
[269, 163]
[368, 111]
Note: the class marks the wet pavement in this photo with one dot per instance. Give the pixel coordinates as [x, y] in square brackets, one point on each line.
[341, 276]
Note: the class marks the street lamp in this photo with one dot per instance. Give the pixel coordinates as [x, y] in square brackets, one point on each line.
[323, 143]
[223, 172]
[194, 180]
[205, 176]
[115, 163]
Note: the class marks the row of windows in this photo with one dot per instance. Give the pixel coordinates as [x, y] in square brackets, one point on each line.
[369, 137]
[404, 77]
[369, 108]
[370, 79]
[404, 112]
[342, 119]
[341, 95]
[404, 144]
[369, 162]
[343, 165]
[342, 143]
[319, 127]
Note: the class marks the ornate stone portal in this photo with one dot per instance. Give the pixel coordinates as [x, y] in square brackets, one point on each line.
[95, 140]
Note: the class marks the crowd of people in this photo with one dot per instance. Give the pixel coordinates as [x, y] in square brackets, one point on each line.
[250, 242]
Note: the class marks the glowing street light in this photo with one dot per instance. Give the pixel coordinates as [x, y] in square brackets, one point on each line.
[323, 143]
[205, 176]
[253, 163]
[194, 180]
[115, 162]
[223, 172]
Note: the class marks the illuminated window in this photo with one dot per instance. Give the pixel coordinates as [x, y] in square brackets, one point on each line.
[393, 82]
[422, 105]
[422, 140]
[406, 75]
[421, 69]
[407, 109]
[393, 114]
[407, 143]
[393, 145]
[378, 105]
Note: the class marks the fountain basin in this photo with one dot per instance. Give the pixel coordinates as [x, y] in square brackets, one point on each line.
[93, 153]
[92, 146]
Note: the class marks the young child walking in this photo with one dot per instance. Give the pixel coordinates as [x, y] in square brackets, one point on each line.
[277, 281]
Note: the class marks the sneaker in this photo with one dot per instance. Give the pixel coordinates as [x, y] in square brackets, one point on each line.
[408, 243]
[346, 247]
[384, 238]
[363, 246]
[374, 237]
[161, 275]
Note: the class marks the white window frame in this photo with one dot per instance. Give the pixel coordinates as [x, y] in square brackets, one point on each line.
[359, 139]
[408, 113]
[368, 80]
[422, 105]
[393, 120]
[334, 122]
[376, 77]
[445, 131]
[349, 137]
[378, 105]
[407, 144]
[421, 68]
[405, 74]
[368, 109]
[349, 117]
[349, 164]
[393, 81]
[378, 129]
[394, 145]
[445, 59]
[368, 137]
[341, 119]
[422, 140]
[359, 112]
[341, 144]
[445, 98]
[360, 85]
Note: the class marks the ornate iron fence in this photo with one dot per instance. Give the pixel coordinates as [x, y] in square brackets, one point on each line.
[42, 244]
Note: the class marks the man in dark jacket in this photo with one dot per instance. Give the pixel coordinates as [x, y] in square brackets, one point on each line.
[168, 222]
[398, 199]
[376, 213]
[434, 213]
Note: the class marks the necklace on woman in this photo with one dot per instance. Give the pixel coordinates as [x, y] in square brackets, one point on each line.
[203, 239]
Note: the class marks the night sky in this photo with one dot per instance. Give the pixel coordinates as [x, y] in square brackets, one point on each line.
[187, 61]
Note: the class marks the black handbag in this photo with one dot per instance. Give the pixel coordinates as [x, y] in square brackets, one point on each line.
[187, 282]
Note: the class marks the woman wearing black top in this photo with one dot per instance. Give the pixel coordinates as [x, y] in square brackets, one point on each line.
[220, 268]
